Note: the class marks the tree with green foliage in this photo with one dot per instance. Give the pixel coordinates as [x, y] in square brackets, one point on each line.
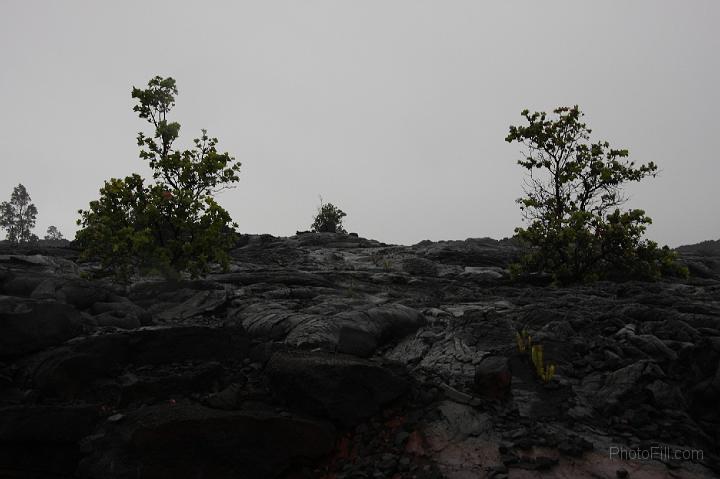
[328, 219]
[573, 194]
[173, 224]
[53, 234]
[18, 215]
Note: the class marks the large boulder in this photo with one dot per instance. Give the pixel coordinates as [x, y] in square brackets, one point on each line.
[80, 293]
[607, 391]
[201, 302]
[118, 319]
[28, 326]
[186, 440]
[419, 266]
[453, 357]
[343, 388]
[178, 300]
[120, 314]
[358, 333]
[471, 252]
[702, 259]
[39, 264]
[71, 371]
[20, 284]
[271, 321]
[334, 240]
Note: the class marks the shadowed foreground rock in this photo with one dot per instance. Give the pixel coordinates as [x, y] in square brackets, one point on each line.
[333, 356]
[183, 440]
[29, 326]
[339, 387]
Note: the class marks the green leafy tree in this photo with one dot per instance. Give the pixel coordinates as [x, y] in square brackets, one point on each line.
[573, 194]
[53, 233]
[173, 224]
[18, 215]
[328, 219]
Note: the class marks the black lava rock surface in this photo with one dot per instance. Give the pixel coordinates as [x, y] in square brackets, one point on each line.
[333, 356]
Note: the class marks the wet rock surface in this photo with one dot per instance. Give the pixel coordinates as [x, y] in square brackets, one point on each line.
[334, 356]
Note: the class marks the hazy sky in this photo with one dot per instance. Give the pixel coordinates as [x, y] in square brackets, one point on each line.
[396, 111]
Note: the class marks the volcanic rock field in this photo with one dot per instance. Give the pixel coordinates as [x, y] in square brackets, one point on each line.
[331, 356]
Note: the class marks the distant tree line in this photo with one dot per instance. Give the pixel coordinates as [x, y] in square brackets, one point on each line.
[575, 231]
[18, 217]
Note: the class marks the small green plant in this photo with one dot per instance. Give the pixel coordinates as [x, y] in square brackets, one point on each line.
[545, 373]
[524, 340]
[524, 344]
[387, 265]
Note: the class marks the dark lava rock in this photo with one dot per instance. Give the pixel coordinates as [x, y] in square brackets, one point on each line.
[287, 331]
[167, 382]
[36, 265]
[199, 303]
[702, 259]
[493, 377]
[29, 326]
[419, 267]
[185, 440]
[288, 278]
[21, 285]
[81, 293]
[121, 314]
[71, 370]
[471, 252]
[607, 391]
[43, 439]
[343, 388]
[358, 333]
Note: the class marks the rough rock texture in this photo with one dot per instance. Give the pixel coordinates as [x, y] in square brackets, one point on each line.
[358, 332]
[334, 356]
[29, 326]
[343, 388]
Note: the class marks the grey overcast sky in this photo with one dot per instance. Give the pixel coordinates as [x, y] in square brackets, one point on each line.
[396, 111]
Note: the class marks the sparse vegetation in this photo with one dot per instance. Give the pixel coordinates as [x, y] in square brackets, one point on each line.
[573, 192]
[53, 234]
[524, 344]
[546, 373]
[524, 340]
[328, 219]
[18, 216]
[173, 225]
